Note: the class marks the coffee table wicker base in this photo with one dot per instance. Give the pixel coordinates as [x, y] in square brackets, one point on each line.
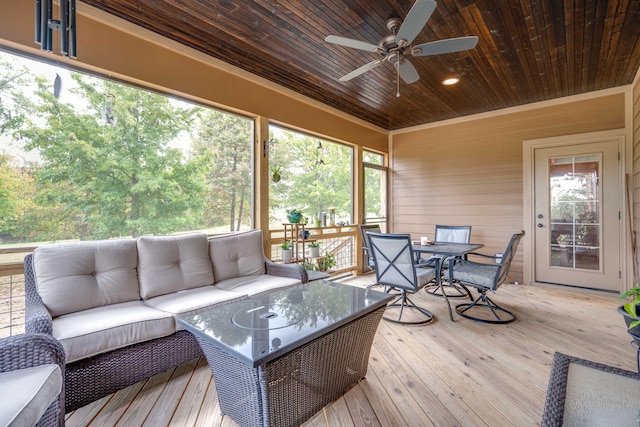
[292, 388]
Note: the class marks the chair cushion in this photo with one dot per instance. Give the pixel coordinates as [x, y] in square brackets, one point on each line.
[173, 263]
[94, 273]
[27, 393]
[425, 275]
[192, 301]
[473, 273]
[237, 255]
[98, 330]
[251, 285]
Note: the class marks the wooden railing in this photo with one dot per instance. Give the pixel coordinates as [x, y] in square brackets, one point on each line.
[340, 241]
[12, 290]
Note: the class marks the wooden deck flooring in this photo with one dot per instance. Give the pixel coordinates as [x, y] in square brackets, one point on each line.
[447, 373]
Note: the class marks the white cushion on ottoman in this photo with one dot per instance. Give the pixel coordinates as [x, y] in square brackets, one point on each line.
[27, 393]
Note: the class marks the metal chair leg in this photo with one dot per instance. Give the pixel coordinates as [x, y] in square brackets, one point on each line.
[403, 301]
[438, 289]
[484, 302]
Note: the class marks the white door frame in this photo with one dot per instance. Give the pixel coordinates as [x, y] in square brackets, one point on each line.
[528, 151]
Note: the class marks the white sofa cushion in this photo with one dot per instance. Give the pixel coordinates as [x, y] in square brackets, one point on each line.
[251, 285]
[98, 330]
[168, 264]
[192, 301]
[76, 276]
[237, 255]
[27, 393]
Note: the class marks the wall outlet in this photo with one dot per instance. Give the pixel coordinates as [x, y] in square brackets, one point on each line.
[498, 258]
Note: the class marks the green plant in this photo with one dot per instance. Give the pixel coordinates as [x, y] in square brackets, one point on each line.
[294, 215]
[314, 244]
[287, 244]
[326, 262]
[309, 266]
[275, 173]
[631, 307]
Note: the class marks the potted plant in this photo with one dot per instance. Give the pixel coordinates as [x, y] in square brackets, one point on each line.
[275, 173]
[326, 262]
[287, 250]
[309, 266]
[314, 249]
[630, 312]
[294, 216]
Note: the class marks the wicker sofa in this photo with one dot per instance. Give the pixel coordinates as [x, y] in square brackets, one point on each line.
[113, 304]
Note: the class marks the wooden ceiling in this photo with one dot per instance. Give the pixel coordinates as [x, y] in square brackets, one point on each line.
[528, 50]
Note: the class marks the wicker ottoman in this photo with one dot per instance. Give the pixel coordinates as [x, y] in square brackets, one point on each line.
[279, 357]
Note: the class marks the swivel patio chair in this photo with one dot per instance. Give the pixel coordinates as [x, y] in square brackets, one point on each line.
[368, 257]
[486, 277]
[31, 381]
[449, 234]
[394, 264]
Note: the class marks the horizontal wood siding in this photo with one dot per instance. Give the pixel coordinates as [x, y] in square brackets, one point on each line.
[470, 173]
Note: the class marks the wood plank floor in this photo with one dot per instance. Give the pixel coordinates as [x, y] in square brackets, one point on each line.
[446, 373]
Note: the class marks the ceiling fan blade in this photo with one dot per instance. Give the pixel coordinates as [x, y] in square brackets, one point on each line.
[414, 22]
[407, 71]
[445, 46]
[356, 44]
[366, 67]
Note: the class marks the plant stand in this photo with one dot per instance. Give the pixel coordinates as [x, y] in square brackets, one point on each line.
[293, 232]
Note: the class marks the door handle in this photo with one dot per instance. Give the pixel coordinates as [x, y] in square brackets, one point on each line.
[540, 225]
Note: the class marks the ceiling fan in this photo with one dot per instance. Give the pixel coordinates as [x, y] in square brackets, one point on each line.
[396, 46]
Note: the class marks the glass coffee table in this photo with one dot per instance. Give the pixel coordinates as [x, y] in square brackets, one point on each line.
[278, 357]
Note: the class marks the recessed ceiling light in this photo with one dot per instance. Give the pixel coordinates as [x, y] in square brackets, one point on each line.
[450, 81]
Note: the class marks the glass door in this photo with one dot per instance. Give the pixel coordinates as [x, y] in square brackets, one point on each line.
[577, 234]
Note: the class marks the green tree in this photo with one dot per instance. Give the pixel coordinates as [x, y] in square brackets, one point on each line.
[222, 146]
[316, 176]
[12, 188]
[108, 169]
[11, 80]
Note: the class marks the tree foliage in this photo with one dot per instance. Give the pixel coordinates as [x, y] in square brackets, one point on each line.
[107, 166]
[222, 146]
[108, 170]
[316, 176]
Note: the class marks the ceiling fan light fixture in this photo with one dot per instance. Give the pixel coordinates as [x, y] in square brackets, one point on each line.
[451, 81]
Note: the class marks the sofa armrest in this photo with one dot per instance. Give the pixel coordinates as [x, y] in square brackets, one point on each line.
[29, 350]
[37, 317]
[294, 271]
[32, 350]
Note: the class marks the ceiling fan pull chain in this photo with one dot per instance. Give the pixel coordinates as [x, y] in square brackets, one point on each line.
[398, 79]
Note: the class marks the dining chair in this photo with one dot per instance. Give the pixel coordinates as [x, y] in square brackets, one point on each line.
[395, 269]
[449, 234]
[486, 277]
[368, 257]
